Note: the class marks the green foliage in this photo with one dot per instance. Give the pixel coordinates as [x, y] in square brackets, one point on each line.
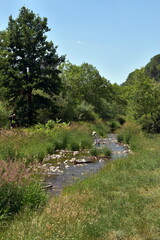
[133, 77]
[74, 146]
[128, 132]
[19, 188]
[114, 125]
[34, 196]
[101, 128]
[142, 95]
[84, 93]
[50, 124]
[31, 65]
[50, 148]
[104, 151]
[121, 119]
[11, 199]
[85, 112]
[152, 69]
[73, 139]
[94, 151]
[143, 102]
[4, 115]
[14, 198]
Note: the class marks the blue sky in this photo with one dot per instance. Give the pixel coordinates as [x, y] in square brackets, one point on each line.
[115, 36]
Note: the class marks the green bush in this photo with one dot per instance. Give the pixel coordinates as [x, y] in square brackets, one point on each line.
[114, 125]
[74, 146]
[50, 149]
[61, 139]
[33, 195]
[19, 188]
[86, 143]
[105, 151]
[85, 112]
[14, 197]
[50, 124]
[120, 137]
[128, 131]
[11, 199]
[94, 151]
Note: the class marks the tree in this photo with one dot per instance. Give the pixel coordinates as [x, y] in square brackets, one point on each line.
[152, 69]
[84, 88]
[144, 103]
[28, 62]
[133, 77]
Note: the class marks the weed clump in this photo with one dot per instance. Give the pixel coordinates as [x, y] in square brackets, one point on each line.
[104, 151]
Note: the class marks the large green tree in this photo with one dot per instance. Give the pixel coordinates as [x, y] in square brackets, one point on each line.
[84, 88]
[28, 63]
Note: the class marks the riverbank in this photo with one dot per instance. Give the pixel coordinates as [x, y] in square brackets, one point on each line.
[23, 152]
[65, 167]
[120, 202]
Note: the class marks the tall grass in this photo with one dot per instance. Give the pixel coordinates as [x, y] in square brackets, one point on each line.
[128, 134]
[120, 202]
[33, 145]
[18, 189]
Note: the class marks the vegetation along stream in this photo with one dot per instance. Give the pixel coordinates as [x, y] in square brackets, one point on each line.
[65, 167]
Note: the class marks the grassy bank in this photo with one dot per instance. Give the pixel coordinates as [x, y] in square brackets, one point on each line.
[21, 150]
[32, 145]
[120, 202]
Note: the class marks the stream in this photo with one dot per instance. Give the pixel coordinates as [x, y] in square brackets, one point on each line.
[66, 167]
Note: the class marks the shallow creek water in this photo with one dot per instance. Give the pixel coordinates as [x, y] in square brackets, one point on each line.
[61, 170]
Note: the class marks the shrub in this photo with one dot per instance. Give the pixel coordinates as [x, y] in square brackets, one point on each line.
[39, 126]
[128, 131]
[105, 151]
[33, 195]
[114, 125]
[74, 146]
[86, 143]
[50, 124]
[95, 151]
[18, 188]
[120, 137]
[11, 199]
[61, 139]
[85, 112]
[50, 149]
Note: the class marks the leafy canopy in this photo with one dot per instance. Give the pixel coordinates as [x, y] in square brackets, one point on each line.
[28, 62]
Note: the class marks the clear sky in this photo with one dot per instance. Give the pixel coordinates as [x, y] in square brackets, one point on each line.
[115, 36]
